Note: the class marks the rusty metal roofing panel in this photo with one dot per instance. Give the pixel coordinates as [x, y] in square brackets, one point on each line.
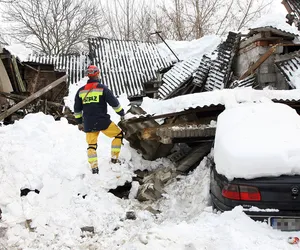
[74, 64]
[177, 76]
[274, 30]
[126, 65]
[220, 67]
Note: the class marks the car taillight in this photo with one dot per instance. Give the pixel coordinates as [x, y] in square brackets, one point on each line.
[231, 192]
[240, 192]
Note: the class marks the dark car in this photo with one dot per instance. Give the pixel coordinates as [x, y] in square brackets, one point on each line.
[275, 200]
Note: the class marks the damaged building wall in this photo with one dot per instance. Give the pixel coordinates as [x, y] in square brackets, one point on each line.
[261, 47]
[267, 73]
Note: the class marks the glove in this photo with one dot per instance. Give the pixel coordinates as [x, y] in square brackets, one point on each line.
[80, 127]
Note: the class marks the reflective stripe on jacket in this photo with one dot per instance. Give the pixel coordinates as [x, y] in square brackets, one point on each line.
[91, 104]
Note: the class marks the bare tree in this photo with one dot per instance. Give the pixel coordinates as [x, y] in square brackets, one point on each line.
[128, 19]
[52, 26]
[195, 18]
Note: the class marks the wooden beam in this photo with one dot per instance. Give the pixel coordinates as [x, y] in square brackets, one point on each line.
[259, 62]
[20, 97]
[32, 97]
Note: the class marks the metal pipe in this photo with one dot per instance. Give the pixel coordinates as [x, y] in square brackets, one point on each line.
[158, 33]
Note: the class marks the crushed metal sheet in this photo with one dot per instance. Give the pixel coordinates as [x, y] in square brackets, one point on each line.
[202, 72]
[249, 81]
[211, 101]
[177, 76]
[126, 65]
[288, 65]
[220, 70]
[184, 131]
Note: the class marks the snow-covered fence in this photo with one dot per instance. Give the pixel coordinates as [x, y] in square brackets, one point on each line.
[126, 65]
[74, 64]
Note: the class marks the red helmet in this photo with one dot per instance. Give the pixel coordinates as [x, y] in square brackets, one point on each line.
[92, 71]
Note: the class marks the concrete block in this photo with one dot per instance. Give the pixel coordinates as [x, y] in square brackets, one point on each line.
[267, 78]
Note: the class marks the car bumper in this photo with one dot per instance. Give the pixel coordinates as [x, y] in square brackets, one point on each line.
[266, 216]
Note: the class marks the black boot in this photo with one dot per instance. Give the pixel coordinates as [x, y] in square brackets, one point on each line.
[95, 170]
[114, 161]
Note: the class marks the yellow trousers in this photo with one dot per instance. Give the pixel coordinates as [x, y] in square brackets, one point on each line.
[92, 137]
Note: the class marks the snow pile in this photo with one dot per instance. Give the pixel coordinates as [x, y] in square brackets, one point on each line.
[40, 153]
[230, 230]
[254, 140]
[189, 49]
[50, 156]
[187, 197]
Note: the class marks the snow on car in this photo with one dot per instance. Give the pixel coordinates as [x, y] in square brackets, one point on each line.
[257, 163]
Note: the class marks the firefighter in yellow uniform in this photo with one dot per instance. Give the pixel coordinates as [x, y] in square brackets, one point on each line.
[90, 111]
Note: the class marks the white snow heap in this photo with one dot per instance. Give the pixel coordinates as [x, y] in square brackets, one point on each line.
[255, 140]
[189, 49]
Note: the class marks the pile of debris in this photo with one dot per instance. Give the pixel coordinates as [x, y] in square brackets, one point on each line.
[28, 87]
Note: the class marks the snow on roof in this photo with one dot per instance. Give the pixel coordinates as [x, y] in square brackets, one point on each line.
[227, 97]
[126, 65]
[257, 140]
[277, 20]
[189, 49]
[19, 50]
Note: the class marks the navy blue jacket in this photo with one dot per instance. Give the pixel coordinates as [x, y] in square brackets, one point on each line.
[91, 105]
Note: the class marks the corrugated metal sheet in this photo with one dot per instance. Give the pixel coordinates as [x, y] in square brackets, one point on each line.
[126, 65]
[74, 65]
[202, 72]
[186, 130]
[149, 149]
[178, 75]
[220, 69]
[249, 81]
[287, 65]
[205, 100]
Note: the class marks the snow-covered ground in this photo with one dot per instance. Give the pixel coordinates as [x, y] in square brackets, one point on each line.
[40, 153]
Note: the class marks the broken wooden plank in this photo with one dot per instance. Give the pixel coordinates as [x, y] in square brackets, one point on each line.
[34, 84]
[32, 97]
[5, 84]
[20, 97]
[20, 82]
